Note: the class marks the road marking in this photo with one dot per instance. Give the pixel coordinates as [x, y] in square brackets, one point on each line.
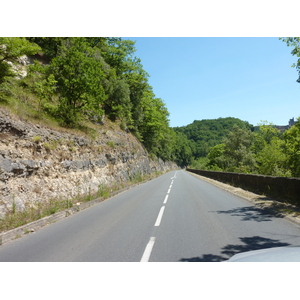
[169, 191]
[158, 220]
[166, 199]
[174, 176]
[148, 250]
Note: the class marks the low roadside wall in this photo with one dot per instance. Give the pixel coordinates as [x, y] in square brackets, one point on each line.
[285, 189]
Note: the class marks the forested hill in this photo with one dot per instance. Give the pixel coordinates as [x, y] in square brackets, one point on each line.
[205, 134]
[77, 81]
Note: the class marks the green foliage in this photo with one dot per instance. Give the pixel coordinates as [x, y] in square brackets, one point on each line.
[154, 121]
[36, 139]
[117, 104]
[267, 131]
[5, 91]
[216, 157]
[50, 45]
[234, 155]
[44, 89]
[292, 148]
[111, 144]
[201, 163]
[295, 43]
[77, 71]
[182, 149]
[119, 54]
[11, 48]
[208, 133]
[266, 151]
[268, 148]
[272, 159]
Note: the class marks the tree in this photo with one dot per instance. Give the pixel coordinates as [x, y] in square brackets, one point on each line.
[216, 156]
[268, 148]
[264, 135]
[49, 45]
[154, 122]
[294, 42]
[182, 149]
[117, 104]
[12, 48]
[292, 148]
[272, 160]
[78, 72]
[126, 77]
[237, 150]
[119, 54]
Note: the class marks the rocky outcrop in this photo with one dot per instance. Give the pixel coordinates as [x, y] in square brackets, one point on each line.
[38, 163]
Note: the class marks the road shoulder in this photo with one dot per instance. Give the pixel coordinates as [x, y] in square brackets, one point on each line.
[286, 210]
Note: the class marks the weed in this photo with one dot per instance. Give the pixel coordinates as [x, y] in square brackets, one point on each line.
[70, 143]
[103, 191]
[99, 149]
[50, 145]
[88, 197]
[111, 144]
[136, 178]
[68, 203]
[36, 139]
[14, 206]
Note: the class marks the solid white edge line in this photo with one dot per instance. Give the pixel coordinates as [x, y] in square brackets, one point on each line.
[166, 199]
[158, 220]
[148, 250]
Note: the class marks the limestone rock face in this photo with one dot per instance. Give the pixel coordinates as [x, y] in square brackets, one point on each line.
[38, 163]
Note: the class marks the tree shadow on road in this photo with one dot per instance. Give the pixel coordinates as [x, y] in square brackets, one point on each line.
[253, 213]
[249, 243]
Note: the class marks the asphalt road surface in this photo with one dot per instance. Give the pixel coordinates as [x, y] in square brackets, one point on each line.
[175, 217]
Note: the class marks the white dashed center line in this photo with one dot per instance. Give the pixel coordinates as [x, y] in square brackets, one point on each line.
[158, 220]
[166, 199]
[148, 250]
[149, 247]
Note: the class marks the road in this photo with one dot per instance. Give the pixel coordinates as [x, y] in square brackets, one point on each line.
[175, 217]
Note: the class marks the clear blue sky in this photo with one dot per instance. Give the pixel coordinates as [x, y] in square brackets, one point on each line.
[206, 78]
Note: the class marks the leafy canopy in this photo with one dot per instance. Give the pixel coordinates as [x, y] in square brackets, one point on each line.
[78, 73]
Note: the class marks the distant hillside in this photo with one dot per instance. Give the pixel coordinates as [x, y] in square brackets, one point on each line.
[208, 133]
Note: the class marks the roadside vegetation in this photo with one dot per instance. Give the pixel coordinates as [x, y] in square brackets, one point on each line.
[261, 150]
